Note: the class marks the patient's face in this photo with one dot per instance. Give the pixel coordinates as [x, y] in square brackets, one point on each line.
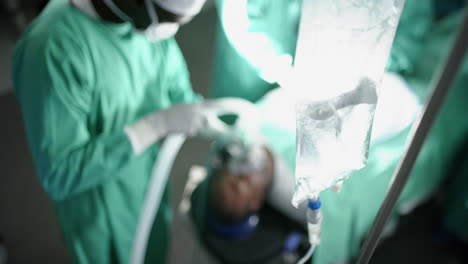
[233, 197]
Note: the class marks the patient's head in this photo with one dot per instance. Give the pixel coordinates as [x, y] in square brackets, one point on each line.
[232, 197]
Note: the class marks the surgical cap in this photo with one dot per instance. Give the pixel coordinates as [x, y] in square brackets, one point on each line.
[182, 7]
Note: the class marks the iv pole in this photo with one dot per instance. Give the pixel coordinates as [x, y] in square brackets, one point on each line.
[419, 132]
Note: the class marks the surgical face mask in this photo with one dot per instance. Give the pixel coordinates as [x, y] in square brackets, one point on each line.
[158, 31]
[155, 31]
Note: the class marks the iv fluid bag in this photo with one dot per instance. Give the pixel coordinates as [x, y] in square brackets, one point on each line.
[342, 50]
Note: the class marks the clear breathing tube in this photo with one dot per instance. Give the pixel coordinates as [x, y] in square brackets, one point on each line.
[159, 177]
[308, 255]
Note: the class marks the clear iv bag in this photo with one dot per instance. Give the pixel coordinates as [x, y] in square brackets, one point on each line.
[342, 50]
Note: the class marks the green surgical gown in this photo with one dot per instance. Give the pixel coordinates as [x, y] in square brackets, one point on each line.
[420, 45]
[451, 129]
[79, 82]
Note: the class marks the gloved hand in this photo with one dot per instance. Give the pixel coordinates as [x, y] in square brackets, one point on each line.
[247, 125]
[186, 118]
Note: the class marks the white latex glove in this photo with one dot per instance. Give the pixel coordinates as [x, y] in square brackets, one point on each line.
[247, 124]
[191, 119]
[185, 118]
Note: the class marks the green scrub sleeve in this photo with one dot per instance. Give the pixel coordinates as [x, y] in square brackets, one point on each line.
[245, 25]
[54, 87]
[415, 22]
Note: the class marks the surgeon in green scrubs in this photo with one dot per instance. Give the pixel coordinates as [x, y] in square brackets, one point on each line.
[96, 81]
[255, 49]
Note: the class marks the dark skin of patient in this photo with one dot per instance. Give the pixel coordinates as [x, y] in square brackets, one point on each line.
[234, 197]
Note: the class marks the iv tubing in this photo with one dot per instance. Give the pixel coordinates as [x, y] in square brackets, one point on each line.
[419, 131]
[307, 255]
